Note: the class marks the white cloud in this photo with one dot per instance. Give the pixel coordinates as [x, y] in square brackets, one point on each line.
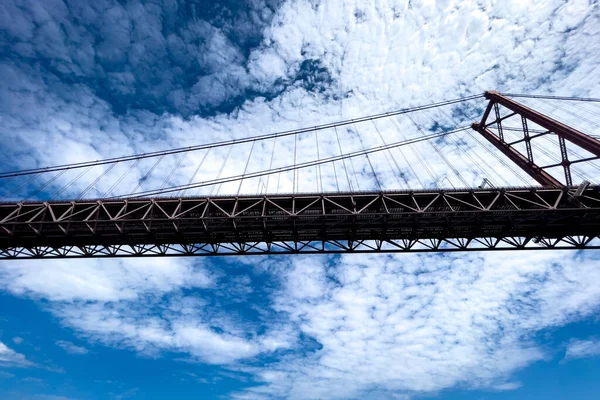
[386, 55]
[139, 304]
[71, 348]
[422, 323]
[11, 358]
[17, 340]
[267, 66]
[583, 349]
[151, 328]
[401, 324]
[508, 386]
[101, 280]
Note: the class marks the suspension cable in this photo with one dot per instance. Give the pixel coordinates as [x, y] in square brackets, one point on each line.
[45, 185]
[245, 168]
[448, 163]
[270, 164]
[145, 177]
[307, 164]
[343, 160]
[132, 166]
[537, 96]
[220, 172]
[72, 181]
[294, 171]
[423, 164]
[91, 185]
[400, 173]
[394, 123]
[235, 141]
[175, 168]
[463, 152]
[197, 168]
[558, 107]
[497, 157]
[319, 176]
[362, 145]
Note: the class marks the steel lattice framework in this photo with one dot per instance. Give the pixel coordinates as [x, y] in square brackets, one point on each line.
[482, 219]
[526, 161]
[554, 216]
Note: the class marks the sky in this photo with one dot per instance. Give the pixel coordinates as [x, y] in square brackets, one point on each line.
[83, 80]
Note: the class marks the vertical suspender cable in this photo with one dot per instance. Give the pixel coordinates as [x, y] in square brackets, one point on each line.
[368, 159]
[91, 185]
[132, 166]
[294, 171]
[72, 181]
[145, 177]
[466, 154]
[354, 173]
[343, 160]
[437, 150]
[246, 167]
[557, 106]
[196, 171]
[175, 168]
[41, 188]
[390, 156]
[337, 183]
[500, 160]
[271, 164]
[220, 172]
[24, 184]
[409, 164]
[424, 165]
[319, 176]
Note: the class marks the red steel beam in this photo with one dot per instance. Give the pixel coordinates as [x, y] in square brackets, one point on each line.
[537, 173]
[572, 135]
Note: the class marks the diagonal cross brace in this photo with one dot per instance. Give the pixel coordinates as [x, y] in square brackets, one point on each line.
[574, 136]
[526, 163]
[537, 173]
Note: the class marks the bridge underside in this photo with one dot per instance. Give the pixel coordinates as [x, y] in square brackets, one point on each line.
[419, 221]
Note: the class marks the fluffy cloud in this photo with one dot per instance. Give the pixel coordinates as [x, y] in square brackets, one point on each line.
[11, 358]
[582, 349]
[101, 280]
[71, 348]
[139, 55]
[384, 326]
[359, 59]
[342, 326]
[267, 66]
[182, 325]
[142, 305]
[419, 324]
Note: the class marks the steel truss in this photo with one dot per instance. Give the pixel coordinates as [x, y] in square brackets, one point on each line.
[526, 161]
[415, 221]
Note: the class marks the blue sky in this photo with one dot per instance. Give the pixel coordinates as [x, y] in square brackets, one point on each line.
[83, 80]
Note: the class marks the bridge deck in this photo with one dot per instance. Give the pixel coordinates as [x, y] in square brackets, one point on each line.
[449, 220]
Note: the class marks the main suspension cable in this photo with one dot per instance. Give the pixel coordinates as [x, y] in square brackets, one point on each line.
[219, 181]
[539, 96]
[234, 141]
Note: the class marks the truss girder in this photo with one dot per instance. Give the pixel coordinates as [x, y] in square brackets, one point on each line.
[453, 220]
[526, 161]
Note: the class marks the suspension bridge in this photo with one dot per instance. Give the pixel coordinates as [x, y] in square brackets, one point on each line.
[486, 172]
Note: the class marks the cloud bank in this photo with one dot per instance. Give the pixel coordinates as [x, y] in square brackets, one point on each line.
[100, 79]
